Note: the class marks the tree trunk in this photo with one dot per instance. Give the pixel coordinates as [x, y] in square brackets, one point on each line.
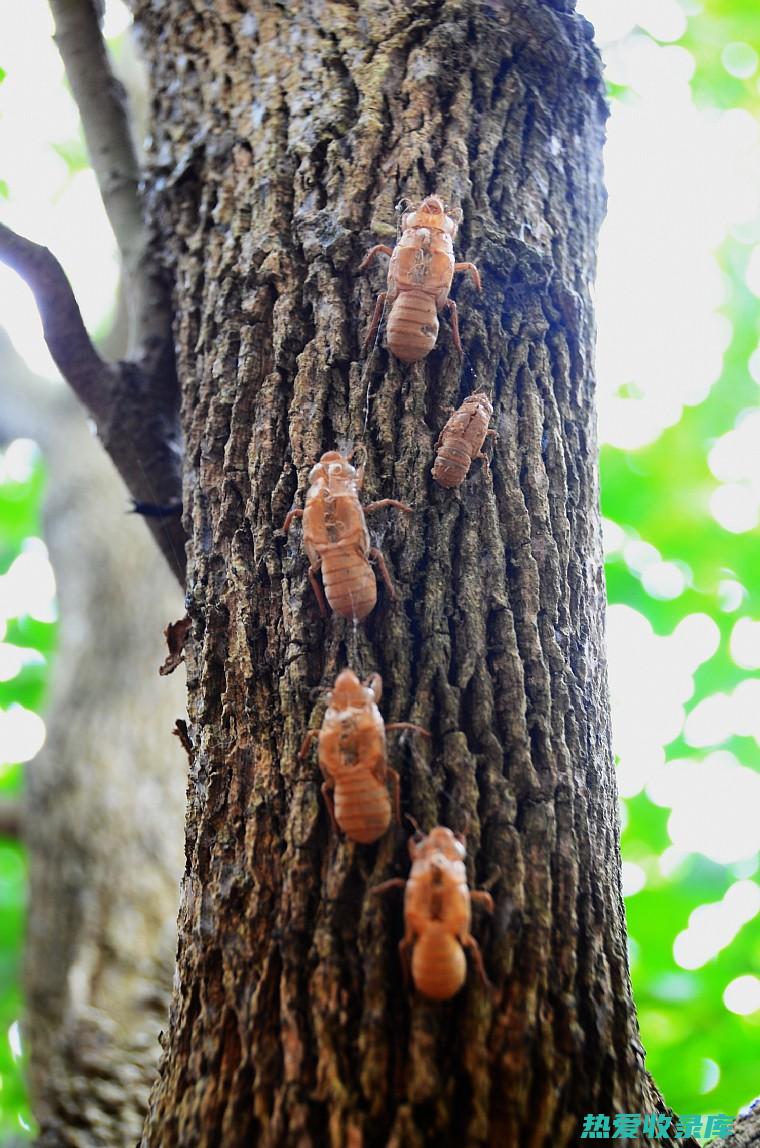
[281, 142]
[104, 800]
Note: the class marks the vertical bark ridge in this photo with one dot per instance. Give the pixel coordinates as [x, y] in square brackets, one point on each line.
[283, 139]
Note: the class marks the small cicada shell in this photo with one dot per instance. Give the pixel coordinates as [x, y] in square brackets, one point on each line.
[336, 538]
[437, 915]
[461, 440]
[353, 759]
[420, 272]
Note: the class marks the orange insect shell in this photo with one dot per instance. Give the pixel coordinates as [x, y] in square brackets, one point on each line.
[461, 440]
[353, 759]
[420, 272]
[336, 538]
[437, 915]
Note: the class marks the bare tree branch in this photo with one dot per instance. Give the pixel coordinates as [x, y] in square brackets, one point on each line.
[101, 101]
[135, 412]
[65, 332]
[135, 403]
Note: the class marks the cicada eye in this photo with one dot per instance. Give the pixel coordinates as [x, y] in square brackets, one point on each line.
[461, 851]
[315, 472]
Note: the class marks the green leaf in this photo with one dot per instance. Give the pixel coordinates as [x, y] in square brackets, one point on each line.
[74, 154]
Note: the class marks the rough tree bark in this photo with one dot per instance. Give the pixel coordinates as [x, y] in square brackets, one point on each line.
[282, 138]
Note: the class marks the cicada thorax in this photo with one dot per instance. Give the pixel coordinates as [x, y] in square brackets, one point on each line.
[477, 410]
[423, 260]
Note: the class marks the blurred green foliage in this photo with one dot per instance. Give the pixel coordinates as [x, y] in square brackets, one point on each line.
[20, 499]
[714, 25]
[660, 493]
[3, 184]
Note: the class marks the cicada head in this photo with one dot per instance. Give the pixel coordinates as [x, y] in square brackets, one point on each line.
[347, 692]
[332, 464]
[431, 213]
[440, 849]
[444, 840]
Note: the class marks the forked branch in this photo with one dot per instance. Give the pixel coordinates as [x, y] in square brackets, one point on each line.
[62, 323]
[134, 403]
[135, 412]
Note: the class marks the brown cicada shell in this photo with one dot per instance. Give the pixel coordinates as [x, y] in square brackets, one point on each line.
[353, 759]
[336, 538]
[419, 280]
[461, 440]
[437, 915]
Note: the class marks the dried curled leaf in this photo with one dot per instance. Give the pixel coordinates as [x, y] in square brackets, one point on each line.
[176, 635]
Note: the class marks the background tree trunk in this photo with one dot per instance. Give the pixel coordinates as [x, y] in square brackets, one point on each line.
[281, 142]
[105, 798]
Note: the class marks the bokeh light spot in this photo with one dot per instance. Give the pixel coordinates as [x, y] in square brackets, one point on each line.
[754, 365]
[14, 1040]
[28, 586]
[752, 276]
[18, 460]
[742, 995]
[745, 644]
[712, 927]
[731, 595]
[613, 537]
[22, 734]
[714, 805]
[664, 580]
[710, 1075]
[735, 508]
[634, 878]
[739, 59]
